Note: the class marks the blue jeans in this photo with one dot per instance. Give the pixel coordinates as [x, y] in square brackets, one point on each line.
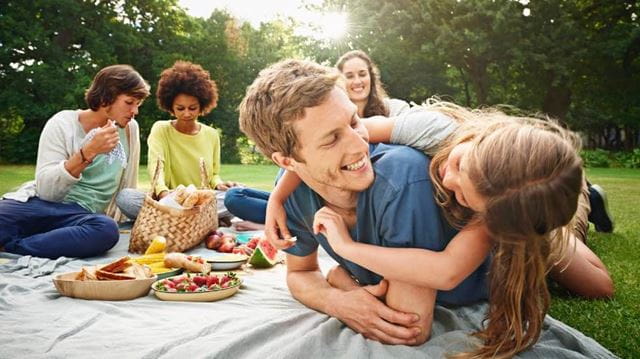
[49, 229]
[247, 203]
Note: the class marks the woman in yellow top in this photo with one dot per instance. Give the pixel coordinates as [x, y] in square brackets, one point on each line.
[186, 91]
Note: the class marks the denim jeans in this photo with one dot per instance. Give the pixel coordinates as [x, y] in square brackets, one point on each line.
[247, 203]
[129, 201]
[49, 229]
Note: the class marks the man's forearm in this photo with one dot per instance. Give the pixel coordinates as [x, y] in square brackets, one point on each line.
[311, 289]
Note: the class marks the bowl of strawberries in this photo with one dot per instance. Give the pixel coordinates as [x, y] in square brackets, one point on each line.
[197, 287]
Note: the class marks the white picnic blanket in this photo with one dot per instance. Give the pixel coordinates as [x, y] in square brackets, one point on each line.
[261, 321]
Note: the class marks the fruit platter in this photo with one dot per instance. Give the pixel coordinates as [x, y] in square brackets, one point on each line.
[199, 287]
[259, 251]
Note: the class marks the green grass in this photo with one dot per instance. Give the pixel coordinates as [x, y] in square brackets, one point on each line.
[614, 323]
[256, 176]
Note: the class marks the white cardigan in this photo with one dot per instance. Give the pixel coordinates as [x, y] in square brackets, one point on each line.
[60, 139]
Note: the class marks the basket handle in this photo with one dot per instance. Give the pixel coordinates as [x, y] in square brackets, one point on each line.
[156, 175]
[204, 178]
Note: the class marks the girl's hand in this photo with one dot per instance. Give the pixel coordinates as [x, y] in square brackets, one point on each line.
[332, 225]
[275, 225]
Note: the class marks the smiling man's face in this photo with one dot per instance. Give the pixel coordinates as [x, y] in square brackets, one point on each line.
[334, 146]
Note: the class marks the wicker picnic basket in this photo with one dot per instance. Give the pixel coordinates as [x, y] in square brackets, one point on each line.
[182, 228]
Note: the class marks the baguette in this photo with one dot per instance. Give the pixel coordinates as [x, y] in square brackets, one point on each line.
[204, 197]
[191, 200]
[188, 263]
[181, 195]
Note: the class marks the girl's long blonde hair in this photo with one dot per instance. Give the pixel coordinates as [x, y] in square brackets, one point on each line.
[530, 174]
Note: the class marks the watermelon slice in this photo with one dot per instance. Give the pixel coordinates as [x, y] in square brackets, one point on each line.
[264, 256]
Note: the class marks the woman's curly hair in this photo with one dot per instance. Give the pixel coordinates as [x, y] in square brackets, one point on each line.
[190, 79]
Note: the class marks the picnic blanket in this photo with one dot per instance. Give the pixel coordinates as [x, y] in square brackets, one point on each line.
[261, 321]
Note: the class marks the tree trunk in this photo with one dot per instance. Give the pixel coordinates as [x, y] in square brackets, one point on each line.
[629, 137]
[557, 101]
[466, 87]
[479, 78]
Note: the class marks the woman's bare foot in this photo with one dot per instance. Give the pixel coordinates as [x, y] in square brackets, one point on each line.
[248, 226]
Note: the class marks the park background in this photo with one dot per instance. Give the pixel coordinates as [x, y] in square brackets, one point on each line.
[575, 60]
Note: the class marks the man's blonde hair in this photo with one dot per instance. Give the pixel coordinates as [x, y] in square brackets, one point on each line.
[277, 98]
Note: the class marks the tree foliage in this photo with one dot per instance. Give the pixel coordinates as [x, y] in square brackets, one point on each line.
[576, 60]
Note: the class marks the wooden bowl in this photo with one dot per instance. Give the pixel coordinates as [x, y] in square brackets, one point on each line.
[102, 289]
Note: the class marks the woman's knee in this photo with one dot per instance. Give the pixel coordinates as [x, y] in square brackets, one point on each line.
[129, 201]
[233, 196]
[106, 233]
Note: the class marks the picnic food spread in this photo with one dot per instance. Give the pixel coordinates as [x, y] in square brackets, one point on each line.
[165, 268]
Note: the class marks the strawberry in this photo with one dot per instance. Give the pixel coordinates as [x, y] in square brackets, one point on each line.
[212, 279]
[192, 288]
[200, 280]
[179, 279]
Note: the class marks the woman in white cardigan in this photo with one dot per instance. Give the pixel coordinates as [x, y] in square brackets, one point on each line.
[84, 158]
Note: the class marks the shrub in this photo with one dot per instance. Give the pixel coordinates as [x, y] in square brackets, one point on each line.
[629, 159]
[596, 158]
[249, 154]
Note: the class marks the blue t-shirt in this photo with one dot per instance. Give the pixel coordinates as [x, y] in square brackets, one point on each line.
[397, 210]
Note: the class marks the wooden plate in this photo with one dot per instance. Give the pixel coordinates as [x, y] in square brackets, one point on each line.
[102, 289]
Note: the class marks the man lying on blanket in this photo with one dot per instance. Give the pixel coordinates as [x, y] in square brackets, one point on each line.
[298, 116]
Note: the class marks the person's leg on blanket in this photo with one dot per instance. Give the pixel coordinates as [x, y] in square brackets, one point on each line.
[51, 230]
[247, 203]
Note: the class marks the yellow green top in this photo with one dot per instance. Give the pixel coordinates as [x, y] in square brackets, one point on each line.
[181, 154]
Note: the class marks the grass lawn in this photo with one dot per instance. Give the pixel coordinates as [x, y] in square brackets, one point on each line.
[256, 176]
[614, 323]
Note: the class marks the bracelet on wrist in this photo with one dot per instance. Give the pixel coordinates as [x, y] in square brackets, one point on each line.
[84, 159]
